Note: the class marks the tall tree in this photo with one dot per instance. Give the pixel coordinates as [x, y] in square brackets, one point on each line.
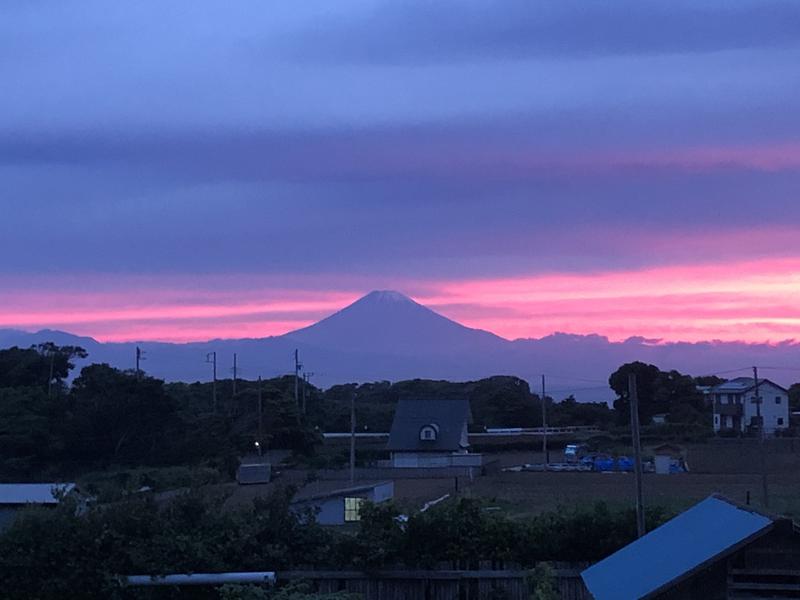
[120, 415]
[667, 392]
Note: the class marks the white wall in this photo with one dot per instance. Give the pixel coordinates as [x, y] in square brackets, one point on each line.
[774, 407]
[433, 459]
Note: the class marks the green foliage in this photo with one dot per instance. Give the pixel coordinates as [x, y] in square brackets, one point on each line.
[120, 415]
[244, 592]
[30, 429]
[113, 417]
[794, 397]
[193, 533]
[303, 590]
[38, 365]
[189, 534]
[570, 412]
[668, 392]
[542, 582]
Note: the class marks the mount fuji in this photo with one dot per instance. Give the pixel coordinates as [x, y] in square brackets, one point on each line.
[386, 335]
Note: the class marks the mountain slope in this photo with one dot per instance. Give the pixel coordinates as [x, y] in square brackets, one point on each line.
[387, 322]
[387, 336]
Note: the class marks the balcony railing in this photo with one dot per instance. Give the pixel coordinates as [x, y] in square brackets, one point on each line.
[732, 410]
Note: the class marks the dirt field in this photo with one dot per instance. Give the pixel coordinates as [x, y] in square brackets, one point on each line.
[729, 467]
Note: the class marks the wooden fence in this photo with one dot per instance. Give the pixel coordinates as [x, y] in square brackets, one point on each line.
[477, 584]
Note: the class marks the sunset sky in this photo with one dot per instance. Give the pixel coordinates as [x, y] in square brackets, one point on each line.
[244, 169]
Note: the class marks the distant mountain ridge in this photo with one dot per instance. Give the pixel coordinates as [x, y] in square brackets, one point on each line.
[386, 335]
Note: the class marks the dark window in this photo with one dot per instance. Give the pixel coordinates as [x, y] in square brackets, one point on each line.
[780, 420]
[777, 399]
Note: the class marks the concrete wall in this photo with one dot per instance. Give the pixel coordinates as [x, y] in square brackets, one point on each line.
[383, 492]
[406, 460]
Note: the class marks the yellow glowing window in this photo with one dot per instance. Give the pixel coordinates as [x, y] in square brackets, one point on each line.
[352, 509]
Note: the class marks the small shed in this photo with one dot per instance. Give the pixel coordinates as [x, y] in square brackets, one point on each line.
[716, 550]
[660, 419]
[15, 496]
[666, 458]
[250, 473]
[336, 505]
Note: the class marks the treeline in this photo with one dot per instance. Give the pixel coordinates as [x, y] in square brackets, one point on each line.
[58, 553]
[108, 416]
[501, 401]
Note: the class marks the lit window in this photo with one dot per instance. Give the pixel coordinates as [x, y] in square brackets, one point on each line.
[352, 509]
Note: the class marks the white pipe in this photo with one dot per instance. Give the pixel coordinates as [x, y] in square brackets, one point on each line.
[202, 578]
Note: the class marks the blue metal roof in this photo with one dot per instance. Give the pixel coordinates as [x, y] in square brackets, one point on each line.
[673, 550]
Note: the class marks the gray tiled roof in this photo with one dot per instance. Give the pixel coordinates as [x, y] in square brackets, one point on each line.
[412, 414]
[741, 385]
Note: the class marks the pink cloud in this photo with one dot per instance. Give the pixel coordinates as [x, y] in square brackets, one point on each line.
[732, 300]
[727, 301]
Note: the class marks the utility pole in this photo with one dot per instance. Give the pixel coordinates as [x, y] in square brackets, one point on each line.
[139, 359]
[52, 370]
[211, 357]
[761, 449]
[297, 367]
[544, 427]
[235, 373]
[260, 418]
[353, 437]
[306, 380]
[633, 397]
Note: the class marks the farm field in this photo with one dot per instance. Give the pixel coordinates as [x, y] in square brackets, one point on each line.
[728, 467]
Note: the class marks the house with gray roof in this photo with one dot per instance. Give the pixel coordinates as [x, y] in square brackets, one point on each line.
[431, 433]
[737, 408]
[716, 550]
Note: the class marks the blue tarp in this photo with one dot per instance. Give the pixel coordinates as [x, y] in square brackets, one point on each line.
[672, 550]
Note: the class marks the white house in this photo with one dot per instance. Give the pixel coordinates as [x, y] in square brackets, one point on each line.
[736, 407]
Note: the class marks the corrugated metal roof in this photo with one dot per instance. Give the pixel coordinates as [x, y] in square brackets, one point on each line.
[414, 413]
[705, 531]
[33, 493]
[329, 489]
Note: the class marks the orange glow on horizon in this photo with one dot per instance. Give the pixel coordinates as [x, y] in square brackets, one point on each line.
[751, 301]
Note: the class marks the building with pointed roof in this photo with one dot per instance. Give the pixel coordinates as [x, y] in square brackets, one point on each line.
[431, 433]
[737, 409]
